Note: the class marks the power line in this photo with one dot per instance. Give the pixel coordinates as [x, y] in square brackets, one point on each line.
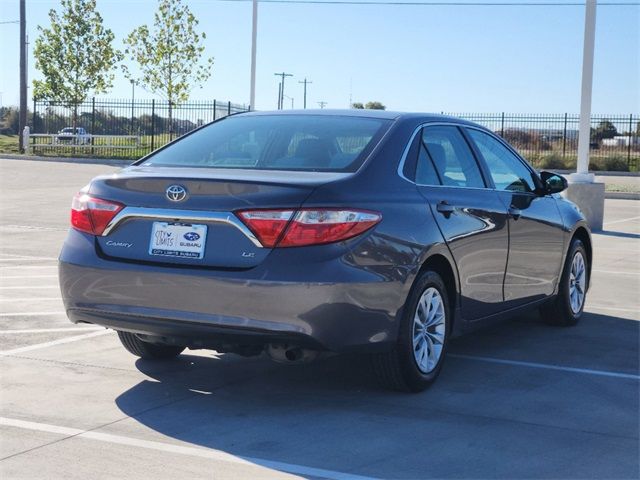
[9, 21]
[442, 4]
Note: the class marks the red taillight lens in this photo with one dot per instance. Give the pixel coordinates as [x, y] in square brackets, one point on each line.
[267, 225]
[92, 215]
[308, 226]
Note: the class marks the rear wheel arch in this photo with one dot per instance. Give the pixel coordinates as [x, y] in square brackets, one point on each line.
[441, 265]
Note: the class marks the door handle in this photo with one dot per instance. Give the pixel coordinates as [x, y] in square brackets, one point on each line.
[445, 208]
[515, 213]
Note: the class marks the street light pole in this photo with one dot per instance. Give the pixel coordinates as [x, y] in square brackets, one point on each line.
[254, 37]
[22, 118]
[292, 101]
[583, 190]
[584, 136]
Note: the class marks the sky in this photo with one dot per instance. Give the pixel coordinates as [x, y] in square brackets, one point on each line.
[457, 59]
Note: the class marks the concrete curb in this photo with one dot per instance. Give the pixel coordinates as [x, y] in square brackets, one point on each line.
[601, 173]
[622, 195]
[92, 161]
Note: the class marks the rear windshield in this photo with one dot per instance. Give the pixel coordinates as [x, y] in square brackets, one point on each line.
[277, 142]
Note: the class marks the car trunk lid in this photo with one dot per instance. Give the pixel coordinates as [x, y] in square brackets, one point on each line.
[200, 229]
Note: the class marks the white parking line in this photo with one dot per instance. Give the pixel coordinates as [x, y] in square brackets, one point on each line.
[50, 330]
[613, 309]
[621, 221]
[30, 257]
[22, 260]
[21, 267]
[546, 366]
[31, 314]
[209, 453]
[15, 277]
[613, 272]
[26, 299]
[27, 287]
[60, 341]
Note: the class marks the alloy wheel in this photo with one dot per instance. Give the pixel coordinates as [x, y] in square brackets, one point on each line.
[429, 328]
[577, 282]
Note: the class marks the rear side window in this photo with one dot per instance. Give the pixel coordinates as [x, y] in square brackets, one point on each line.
[425, 169]
[506, 169]
[449, 158]
[277, 142]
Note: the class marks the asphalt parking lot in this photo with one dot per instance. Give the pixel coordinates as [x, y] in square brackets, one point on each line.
[518, 400]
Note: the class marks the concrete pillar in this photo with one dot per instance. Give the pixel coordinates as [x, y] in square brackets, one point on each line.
[583, 191]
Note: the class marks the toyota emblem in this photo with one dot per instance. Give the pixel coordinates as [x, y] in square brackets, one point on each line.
[176, 193]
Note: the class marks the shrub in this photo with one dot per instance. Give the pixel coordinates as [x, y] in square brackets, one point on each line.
[552, 162]
[614, 163]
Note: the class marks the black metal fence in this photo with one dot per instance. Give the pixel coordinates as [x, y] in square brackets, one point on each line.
[131, 129]
[119, 128]
[551, 141]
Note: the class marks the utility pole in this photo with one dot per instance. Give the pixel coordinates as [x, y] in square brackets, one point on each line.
[22, 120]
[254, 37]
[292, 101]
[281, 96]
[133, 103]
[305, 81]
[322, 104]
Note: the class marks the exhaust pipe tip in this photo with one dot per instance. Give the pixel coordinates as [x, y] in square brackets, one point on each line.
[290, 354]
[293, 354]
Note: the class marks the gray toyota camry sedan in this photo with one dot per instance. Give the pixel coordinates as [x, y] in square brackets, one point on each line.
[297, 233]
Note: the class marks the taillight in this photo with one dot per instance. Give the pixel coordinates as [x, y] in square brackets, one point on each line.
[92, 215]
[267, 225]
[281, 228]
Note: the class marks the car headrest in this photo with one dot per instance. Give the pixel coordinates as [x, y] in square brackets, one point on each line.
[315, 150]
[438, 155]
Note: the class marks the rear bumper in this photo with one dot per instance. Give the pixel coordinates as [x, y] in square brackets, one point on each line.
[272, 303]
[194, 334]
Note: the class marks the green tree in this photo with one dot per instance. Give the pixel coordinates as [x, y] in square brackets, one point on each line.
[357, 105]
[9, 121]
[75, 55]
[375, 106]
[605, 129]
[169, 56]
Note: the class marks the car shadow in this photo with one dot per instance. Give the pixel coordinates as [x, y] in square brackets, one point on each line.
[332, 414]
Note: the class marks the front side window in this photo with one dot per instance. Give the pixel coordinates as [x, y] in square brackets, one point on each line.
[446, 155]
[506, 169]
[277, 142]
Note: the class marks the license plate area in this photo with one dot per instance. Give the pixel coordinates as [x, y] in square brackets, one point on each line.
[178, 240]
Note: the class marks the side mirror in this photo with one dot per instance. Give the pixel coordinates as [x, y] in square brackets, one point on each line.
[553, 183]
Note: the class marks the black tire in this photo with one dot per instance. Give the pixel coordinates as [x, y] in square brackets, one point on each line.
[558, 312]
[397, 369]
[146, 350]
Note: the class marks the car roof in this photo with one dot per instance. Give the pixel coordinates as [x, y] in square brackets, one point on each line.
[365, 113]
